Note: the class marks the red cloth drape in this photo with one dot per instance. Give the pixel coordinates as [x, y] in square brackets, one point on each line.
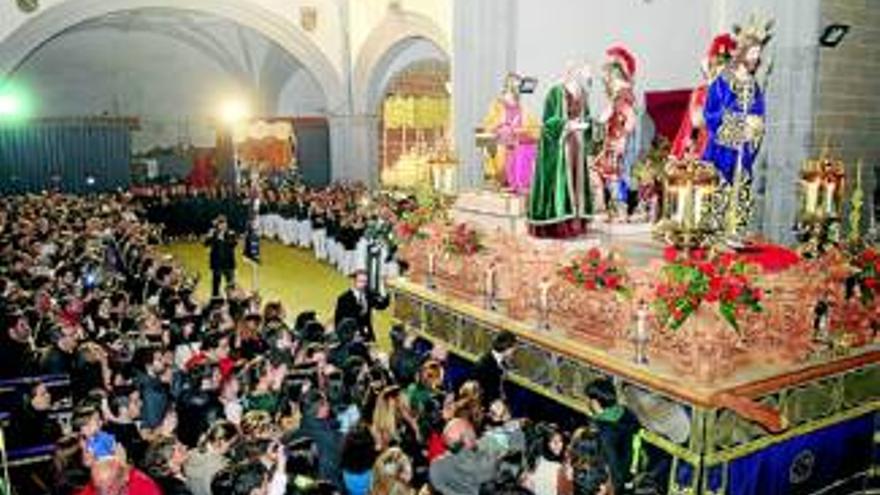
[666, 109]
[202, 173]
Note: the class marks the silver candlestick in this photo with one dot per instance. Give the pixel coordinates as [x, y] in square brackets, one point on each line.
[641, 336]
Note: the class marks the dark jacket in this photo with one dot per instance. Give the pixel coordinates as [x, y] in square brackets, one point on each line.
[490, 375]
[58, 362]
[347, 306]
[328, 441]
[16, 359]
[617, 426]
[222, 250]
[155, 398]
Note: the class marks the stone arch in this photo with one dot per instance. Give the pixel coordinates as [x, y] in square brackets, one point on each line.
[52, 21]
[380, 49]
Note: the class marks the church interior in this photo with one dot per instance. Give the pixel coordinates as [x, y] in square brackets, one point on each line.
[450, 247]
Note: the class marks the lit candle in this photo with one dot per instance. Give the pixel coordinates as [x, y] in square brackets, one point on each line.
[812, 197]
[829, 198]
[679, 205]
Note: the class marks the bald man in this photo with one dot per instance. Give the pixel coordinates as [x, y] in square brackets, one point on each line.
[467, 464]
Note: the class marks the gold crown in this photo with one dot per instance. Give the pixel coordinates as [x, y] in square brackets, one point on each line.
[756, 31]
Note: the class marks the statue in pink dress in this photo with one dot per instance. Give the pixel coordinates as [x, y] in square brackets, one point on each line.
[511, 161]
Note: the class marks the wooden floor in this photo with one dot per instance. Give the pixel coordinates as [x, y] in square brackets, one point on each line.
[288, 274]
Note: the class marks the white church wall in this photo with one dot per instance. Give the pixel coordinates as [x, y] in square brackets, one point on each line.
[365, 15]
[175, 88]
[668, 39]
[327, 34]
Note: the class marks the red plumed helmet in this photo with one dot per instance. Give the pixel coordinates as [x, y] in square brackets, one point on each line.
[722, 45]
[624, 59]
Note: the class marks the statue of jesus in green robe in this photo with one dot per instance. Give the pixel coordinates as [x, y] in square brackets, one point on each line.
[560, 201]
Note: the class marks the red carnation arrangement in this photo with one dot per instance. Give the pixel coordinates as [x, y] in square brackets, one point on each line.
[593, 271]
[867, 276]
[691, 278]
[462, 240]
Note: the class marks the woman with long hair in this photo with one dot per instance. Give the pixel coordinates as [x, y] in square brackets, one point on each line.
[392, 474]
[391, 417]
[211, 456]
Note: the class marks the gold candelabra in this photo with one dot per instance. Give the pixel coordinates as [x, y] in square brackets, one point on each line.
[689, 187]
[821, 201]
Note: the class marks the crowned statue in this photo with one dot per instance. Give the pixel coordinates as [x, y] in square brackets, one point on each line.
[690, 140]
[620, 121]
[734, 113]
[513, 133]
[560, 201]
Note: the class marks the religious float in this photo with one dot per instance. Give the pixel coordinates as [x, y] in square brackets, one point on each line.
[752, 365]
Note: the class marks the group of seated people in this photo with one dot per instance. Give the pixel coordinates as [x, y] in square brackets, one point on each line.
[337, 221]
[171, 395]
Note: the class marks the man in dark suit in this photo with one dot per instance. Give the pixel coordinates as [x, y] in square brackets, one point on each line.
[358, 304]
[490, 368]
[221, 242]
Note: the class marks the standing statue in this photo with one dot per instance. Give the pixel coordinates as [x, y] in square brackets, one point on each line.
[734, 115]
[692, 136]
[560, 202]
[514, 132]
[620, 122]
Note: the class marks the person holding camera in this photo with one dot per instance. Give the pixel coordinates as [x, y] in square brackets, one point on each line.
[221, 241]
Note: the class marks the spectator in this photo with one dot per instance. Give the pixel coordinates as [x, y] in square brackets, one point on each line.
[465, 467]
[317, 426]
[164, 461]
[490, 368]
[358, 455]
[125, 409]
[210, 458]
[16, 352]
[392, 474]
[548, 469]
[60, 359]
[33, 425]
[113, 476]
[616, 427]
[152, 385]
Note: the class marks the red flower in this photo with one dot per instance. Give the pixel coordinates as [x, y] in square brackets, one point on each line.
[662, 290]
[757, 294]
[670, 254]
[594, 254]
[707, 268]
[602, 267]
[676, 314]
[733, 292]
[871, 283]
[877, 267]
[612, 282]
[726, 259]
[698, 254]
[590, 284]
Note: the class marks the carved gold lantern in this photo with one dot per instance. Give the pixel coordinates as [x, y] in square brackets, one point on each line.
[822, 186]
[688, 190]
[443, 163]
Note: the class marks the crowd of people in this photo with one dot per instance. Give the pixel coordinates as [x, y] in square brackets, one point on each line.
[170, 394]
[336, 222]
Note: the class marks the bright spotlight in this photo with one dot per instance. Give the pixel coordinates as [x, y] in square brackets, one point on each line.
[10, 105]
[233, 111]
